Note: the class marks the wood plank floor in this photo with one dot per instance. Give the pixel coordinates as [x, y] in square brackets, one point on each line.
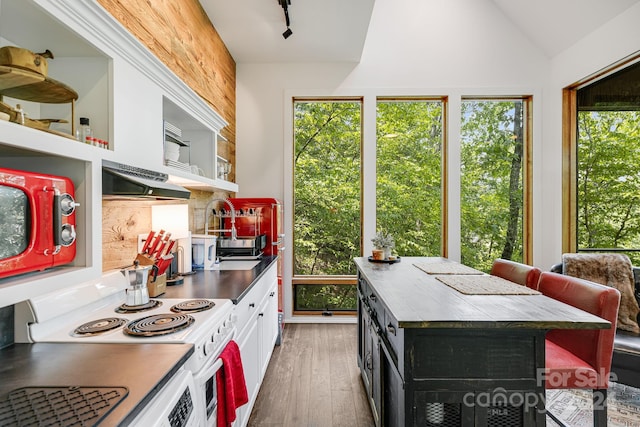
[313, 380]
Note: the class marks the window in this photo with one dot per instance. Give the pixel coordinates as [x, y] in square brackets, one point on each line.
[494, 178]
[606, 217]
[327, 203]
[409, 184]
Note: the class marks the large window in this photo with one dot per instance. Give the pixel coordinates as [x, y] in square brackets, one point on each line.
[327, 204]
[607, 178]
[494, 202]
[409, 158]
[410, 187]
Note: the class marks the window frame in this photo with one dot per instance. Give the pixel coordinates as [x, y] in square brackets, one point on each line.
[570, 151]
[322, 280]
[527, 167]
[444, 159]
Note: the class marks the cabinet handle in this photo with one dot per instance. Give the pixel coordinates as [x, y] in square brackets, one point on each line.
[252, 305]
[261, 315]
[373, 298]
[391, 329]
[272, 294]
[368, 361]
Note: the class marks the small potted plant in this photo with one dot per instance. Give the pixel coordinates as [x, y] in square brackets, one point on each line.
[382, 241]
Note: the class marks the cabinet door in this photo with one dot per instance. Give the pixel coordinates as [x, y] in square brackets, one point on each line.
[376, 374]
[249, 353]
[393, 392]
[268, 327]
[364, 347]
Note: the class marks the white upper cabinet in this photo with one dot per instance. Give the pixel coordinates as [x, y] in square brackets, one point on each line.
[127, 94]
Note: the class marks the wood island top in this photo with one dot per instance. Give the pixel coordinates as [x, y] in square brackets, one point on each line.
[417, 299]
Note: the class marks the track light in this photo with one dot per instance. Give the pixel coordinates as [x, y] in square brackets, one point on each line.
[285, 5]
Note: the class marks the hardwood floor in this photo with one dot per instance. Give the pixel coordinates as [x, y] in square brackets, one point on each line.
[313, 380]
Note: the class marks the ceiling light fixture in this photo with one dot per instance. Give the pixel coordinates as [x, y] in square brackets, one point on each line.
[285, 5]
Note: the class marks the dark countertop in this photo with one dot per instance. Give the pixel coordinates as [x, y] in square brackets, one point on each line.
[418, 300]
[225, 284]
[143, 368]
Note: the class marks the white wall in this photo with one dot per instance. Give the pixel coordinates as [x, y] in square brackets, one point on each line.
[430, 47]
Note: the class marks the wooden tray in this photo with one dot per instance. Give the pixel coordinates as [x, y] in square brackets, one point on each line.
[384, 261]
[31, 86]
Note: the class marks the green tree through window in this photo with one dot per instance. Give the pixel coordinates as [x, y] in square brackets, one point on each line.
[327, 208]
[492, 138]
[608, 185]
[409, 174]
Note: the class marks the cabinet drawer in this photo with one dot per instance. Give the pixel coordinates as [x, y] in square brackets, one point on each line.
[394, 335]
[372, 300]
[248, 306]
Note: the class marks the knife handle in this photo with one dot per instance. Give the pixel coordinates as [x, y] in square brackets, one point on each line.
[147, 242]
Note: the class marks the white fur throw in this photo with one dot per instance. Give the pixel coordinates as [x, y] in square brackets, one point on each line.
[612, 270]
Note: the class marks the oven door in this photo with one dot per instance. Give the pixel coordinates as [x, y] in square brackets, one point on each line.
[206, 383]
[175, 405]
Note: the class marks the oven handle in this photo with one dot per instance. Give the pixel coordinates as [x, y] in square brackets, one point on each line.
[218, 363]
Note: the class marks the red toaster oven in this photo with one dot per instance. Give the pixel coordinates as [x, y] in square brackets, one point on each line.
[37, 221]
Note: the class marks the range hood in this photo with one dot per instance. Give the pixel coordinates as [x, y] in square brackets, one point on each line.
[123, 181]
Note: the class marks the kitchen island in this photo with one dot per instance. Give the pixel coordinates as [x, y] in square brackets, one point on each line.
[130, 375]
[430, 355]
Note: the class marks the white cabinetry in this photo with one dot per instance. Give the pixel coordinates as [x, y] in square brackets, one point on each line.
[257, 332]
[126, 92]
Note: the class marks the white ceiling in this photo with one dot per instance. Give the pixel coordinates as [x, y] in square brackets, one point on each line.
[323, 30]
[335, 30]
[554, 25]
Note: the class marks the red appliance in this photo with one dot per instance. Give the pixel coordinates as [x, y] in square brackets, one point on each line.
[264, 215]
[38, 227]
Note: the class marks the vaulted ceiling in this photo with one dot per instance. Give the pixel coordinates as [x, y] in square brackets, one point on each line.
[336, 30]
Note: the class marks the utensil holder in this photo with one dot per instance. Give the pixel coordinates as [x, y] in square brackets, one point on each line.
[157, 287]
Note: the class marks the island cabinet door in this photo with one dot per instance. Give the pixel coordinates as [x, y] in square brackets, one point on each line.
[376, 375]
[393, 390]
[369, 360]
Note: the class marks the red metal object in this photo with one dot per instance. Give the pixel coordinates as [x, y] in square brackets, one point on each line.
[156, 243]
[41, 211]
[168, 247]
[163, 263]
[147, 242]
[264, 215]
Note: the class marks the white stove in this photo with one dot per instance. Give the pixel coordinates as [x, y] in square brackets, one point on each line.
[96, 312]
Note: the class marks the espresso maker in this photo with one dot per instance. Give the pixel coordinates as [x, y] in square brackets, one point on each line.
[137, 275]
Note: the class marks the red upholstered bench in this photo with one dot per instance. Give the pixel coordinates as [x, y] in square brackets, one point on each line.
[581, 358]
[625, 366]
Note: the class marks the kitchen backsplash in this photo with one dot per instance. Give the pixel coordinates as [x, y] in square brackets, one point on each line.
[123, 221]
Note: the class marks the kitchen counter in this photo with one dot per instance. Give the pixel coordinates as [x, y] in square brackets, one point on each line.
[142, 368]
[224, 284]
[418, 300]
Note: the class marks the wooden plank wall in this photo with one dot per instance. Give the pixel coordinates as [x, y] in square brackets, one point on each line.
[180, 34]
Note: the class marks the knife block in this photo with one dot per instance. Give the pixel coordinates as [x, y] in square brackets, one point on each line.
[145, 260]
[158, 287]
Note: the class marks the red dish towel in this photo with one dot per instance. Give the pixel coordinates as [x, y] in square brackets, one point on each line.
[230, 384]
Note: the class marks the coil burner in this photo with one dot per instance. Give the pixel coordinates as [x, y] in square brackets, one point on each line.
[97, 327]
[159, 324]
[193, 306]
[124, 308]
